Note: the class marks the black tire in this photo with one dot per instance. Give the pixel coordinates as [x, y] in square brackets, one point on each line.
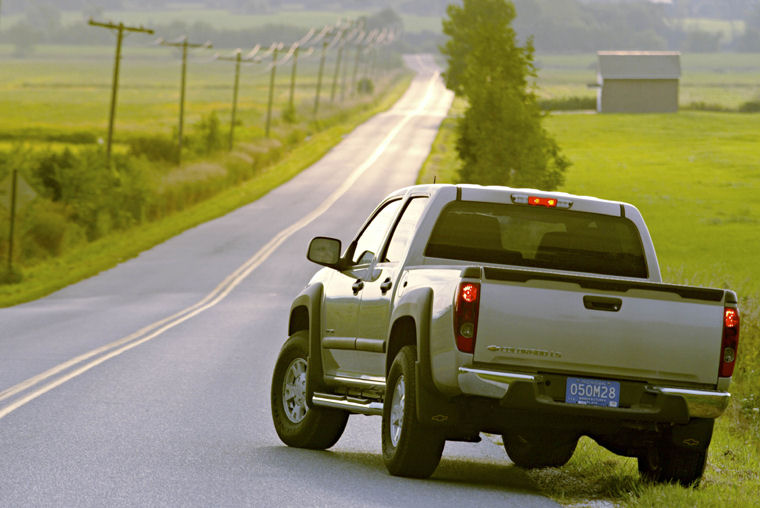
[296, 423]
[409, 448]
[672, 464]
[532, 449]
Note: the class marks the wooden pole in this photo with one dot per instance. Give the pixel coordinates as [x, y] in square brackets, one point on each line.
[271, 92]
[238, 58]
[120, 28]
[319, 78]
[14, 185]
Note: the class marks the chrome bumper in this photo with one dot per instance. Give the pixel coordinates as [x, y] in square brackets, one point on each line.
[495, 384]
[701, 404]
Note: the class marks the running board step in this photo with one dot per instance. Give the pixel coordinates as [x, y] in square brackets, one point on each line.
[353, 404]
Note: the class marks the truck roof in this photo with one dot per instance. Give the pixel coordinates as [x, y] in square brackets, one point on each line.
[503, 194]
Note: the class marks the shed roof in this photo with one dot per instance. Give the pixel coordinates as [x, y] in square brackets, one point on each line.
[639, 64]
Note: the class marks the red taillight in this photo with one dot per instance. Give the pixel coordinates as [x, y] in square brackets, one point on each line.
[466, 316]
[469, 292]
[730, 342]
[547, 202]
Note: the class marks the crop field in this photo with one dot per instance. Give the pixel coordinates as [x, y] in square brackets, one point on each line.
[720, 79]
[694, 176]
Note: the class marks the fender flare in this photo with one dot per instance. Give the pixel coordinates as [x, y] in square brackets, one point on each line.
[311, 299]
[433, 408]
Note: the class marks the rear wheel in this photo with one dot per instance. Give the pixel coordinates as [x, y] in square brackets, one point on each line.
[670, 464]
[532, 449]
[409, 448]
[296, 423]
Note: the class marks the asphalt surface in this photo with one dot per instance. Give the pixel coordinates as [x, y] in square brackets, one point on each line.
[148, 385]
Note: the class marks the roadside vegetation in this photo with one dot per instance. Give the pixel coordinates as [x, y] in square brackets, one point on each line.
[74, 210]
[694, 177]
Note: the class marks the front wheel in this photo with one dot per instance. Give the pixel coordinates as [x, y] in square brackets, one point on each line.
[409, 448]
[296, 423]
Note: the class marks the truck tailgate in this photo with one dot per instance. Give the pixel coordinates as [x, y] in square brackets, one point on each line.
[589, 327]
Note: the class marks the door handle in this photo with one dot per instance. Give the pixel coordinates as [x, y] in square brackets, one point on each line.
[386, 285]
[602, 303]
[357, 286]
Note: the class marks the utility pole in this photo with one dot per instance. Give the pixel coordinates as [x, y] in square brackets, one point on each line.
[14, 185]
[238, 58]
[319, 78]
[271, 88]
[235, 98]
[121, 28]
[337, 70]
[291, 97]
[184, 44]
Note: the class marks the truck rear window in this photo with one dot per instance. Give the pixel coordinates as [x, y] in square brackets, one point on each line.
[539, 238]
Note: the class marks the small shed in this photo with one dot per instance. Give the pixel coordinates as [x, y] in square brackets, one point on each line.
[638, 81]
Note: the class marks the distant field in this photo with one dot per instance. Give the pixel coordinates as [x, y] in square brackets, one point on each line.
[68, 89]
[724, 79]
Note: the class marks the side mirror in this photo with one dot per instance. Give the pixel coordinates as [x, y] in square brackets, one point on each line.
[324, 251]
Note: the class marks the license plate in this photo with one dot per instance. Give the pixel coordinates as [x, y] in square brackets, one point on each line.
[592, 392]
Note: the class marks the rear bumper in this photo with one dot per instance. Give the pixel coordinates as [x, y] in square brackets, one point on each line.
[546, 393]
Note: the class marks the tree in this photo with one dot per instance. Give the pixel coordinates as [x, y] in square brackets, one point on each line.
[501, 140]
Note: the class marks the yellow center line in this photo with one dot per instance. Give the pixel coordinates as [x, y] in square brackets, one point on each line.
[212, 299]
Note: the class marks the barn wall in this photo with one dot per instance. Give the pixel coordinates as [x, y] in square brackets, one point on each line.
[639, 96]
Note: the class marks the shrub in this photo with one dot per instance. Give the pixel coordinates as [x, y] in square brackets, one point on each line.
[289, 114]
[45, 228]
[12, 276]
[750, 107]
[365, 86]
[154, 148]
[706, 106]
[208, 137]
[567, 103]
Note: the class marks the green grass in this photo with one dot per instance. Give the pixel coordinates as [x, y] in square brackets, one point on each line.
[694, 177]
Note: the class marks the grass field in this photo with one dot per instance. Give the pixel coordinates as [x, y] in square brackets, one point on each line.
[695, 178]
[69, 88]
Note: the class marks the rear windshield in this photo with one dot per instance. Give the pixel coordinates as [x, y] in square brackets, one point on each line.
[538, 237]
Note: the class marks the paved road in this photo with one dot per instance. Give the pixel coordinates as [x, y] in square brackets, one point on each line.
[148, 385]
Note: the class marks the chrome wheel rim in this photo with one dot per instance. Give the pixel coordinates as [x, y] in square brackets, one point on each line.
[294, 391]
[397, 410]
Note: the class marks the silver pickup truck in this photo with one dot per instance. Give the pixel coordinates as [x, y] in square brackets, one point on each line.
[538, 316]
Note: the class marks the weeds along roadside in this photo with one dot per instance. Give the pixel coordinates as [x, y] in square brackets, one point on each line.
[74, 212]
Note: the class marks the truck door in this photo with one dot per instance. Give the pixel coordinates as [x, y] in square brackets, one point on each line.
[375, 307]
[343, 294]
